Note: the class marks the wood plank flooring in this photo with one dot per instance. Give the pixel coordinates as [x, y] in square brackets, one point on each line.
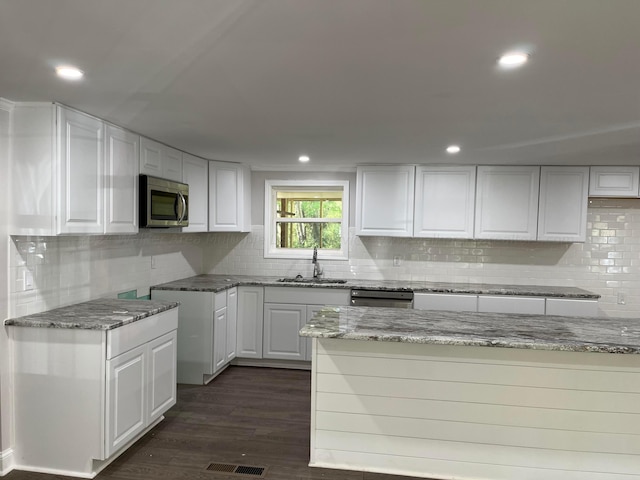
[247, 415]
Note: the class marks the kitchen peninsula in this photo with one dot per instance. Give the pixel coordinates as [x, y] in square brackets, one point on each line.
[475, 395]
[90, 380]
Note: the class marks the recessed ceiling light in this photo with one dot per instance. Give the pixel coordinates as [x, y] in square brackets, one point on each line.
[513, 59]
[69, 72]
[452, 149]
[303, 158]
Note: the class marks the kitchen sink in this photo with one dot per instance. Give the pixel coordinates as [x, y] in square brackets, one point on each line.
[310, 280]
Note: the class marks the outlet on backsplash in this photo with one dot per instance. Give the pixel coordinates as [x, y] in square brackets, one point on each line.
[397, 260]
[622, 299]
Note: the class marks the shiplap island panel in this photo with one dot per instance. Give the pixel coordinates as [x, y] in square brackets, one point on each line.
[475, 395]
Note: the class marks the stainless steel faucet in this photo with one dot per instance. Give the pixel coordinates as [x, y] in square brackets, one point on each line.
[317, 271]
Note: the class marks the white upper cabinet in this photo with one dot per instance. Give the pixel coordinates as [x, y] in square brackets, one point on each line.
[229, 197]
[507, 202]
[563, 204]
[122, 158]
[384, 200]
[81, 172]
[58, 170]
[159, 160]
[614, 182]
[195, 173]
[444, 201]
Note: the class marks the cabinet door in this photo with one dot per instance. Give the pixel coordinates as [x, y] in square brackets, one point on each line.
[126, 398]
[614, 181]
[195, 173]
[282, 322]
[250, 322]
[384, 200]
[150, 157]
[445, 202]
[563, 204]
[161, 375]
[171, 164]
[219, 339]
[232, 322]
[229, 197]
[81, 173]
[122, 157]
[507, 202]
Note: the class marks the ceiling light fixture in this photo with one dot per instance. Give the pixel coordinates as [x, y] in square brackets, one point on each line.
[453, 149]
[303, 158]
[69, 72]
[513, 59]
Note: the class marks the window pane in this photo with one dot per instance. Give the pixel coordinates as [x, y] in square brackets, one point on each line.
[308, 235]
[308, 204]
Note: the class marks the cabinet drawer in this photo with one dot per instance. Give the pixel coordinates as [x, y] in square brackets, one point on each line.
[443, 301]
[511, 304]
[120, 340]
[572, 307]
[307, 295]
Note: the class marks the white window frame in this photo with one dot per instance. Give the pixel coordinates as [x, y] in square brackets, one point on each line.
[270, 250]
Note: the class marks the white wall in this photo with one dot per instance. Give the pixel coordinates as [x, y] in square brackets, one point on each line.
[6, 411]
[69, 270]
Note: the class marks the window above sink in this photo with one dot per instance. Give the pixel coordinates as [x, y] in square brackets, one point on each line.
[303, 214]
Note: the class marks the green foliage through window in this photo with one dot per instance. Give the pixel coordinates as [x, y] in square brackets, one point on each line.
[309, 219]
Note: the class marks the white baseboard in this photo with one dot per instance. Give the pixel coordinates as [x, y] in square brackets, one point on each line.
[6, 461]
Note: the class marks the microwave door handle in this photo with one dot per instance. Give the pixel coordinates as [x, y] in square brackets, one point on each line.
[183, 202]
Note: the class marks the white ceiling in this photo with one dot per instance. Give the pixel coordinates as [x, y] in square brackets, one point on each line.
[344, 81]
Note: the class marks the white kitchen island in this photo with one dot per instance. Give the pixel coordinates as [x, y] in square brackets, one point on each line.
[452, 395]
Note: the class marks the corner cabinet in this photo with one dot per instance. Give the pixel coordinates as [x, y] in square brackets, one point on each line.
[562, 215]
[121, 381]
[445, 201]
[507, 202]
[384, 200]
[195, 173]
[207, 333]
[229, 197]
[61, 182]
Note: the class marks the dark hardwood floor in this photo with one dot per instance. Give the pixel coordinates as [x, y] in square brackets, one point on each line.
[248, 416]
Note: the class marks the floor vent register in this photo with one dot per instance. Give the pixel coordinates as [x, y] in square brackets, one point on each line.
[233, 469]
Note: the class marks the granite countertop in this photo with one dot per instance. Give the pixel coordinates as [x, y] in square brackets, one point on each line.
[537, 332]
[101, 314]
[218, 283]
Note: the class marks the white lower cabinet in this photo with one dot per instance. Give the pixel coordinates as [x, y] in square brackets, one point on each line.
[84, 395]
[573, 307]
[282, 322]
[454, 302]
[207, 330]
[445, 301]
[126, 375]
[286, 311]
[250, 322]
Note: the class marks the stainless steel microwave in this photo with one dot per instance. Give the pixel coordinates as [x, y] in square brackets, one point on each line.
[163, 203]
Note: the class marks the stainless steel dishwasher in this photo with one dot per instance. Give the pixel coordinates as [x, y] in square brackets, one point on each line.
[361, 297]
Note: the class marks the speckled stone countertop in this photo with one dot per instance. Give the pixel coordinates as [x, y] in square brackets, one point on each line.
[218, 283]
[537, 332]
[101, 314]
